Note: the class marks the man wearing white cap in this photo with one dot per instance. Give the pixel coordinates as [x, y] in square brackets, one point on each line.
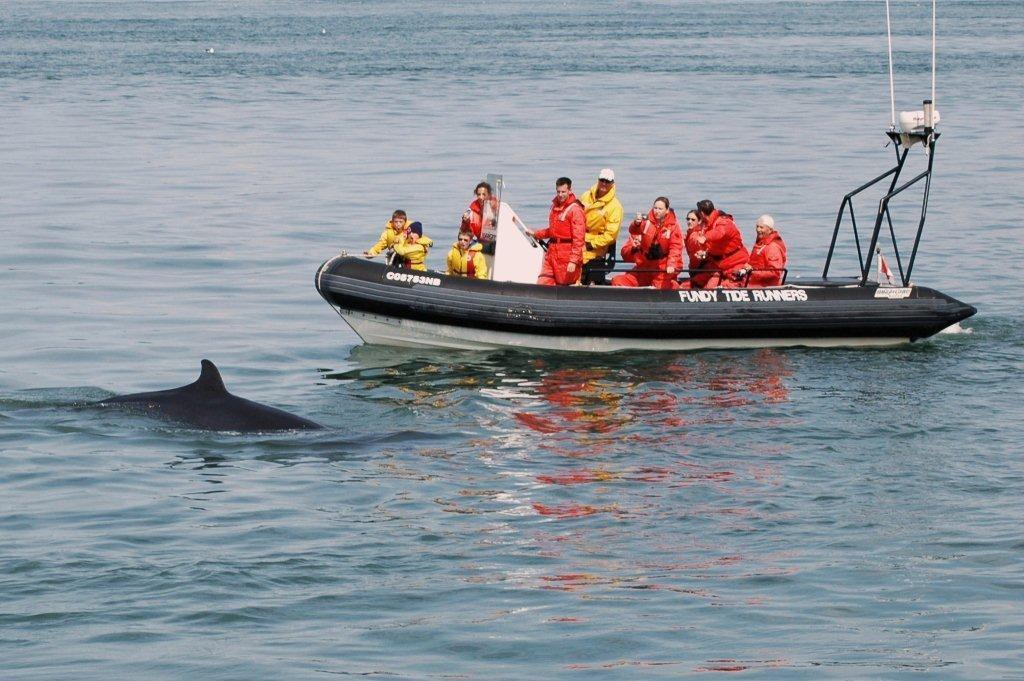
[604, 218]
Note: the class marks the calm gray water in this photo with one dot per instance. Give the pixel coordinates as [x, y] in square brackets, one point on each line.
[798, 514]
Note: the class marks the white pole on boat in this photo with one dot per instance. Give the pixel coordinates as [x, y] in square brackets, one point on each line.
[929, 121]
[892, 87]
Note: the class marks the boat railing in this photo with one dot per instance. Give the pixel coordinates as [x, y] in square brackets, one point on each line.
[902, 143]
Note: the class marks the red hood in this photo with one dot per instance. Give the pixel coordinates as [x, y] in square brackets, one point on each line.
[715, 216]
[775, 238]
[569, 200]
[670, 218]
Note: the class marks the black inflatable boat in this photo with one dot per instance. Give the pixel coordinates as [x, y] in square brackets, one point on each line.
[394, 306]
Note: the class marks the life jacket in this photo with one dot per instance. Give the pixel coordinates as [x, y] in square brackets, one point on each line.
[560, 221]
[468, 263]
[475, 222]
[661, 245]
[388, 238]
[767, 258]
[566, 231]
[413, 255]
[724, 242]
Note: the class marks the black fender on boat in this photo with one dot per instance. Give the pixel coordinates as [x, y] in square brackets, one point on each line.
[809, 309]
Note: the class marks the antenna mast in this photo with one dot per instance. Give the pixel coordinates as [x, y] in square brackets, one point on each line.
[892, 88]
[930, 123]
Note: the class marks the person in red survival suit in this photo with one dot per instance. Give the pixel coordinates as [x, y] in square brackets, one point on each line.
[696, 252]
[566, 233]
[655, 243]
[481, 211]
[723, 245]
[767, 257]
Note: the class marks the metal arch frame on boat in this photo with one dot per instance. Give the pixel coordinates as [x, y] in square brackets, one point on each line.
[928, 138]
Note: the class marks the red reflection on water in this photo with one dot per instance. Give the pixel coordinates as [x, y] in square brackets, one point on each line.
[665, 414]
[547, 425]
[537, 423]
[761, 376]
[657, 401]
[567, 510]
[773, 368]
[598, 400]
[580, 402]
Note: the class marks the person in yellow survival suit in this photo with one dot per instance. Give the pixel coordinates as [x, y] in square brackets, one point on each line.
[604, 218]
[393, 230]
[412, 246]
[466, 259]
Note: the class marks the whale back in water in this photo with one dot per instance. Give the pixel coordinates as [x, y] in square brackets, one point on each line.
[207, 404]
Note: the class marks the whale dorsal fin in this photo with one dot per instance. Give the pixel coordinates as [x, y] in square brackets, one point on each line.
[209, 378]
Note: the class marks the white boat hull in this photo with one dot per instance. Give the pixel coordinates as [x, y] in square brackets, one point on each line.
[384, 330]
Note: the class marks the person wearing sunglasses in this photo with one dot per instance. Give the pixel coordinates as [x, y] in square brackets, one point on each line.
[697, 253]
[466, 258]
